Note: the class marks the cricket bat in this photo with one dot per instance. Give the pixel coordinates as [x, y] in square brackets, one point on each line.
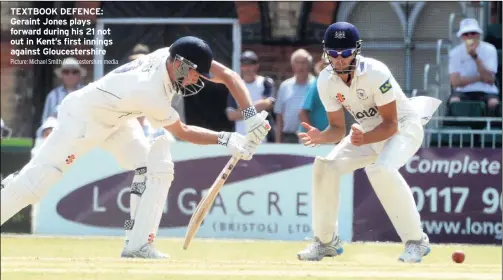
[205, 204]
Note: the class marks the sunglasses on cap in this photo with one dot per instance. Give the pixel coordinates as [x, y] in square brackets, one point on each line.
[344, 53]
[470, 33]
[72, 71]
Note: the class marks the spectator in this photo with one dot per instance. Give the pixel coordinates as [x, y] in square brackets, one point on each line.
[44, 131]
[71, 74]
[291, 95]
[6, 132]
[313, 112]
[261, 91]
[472, 67]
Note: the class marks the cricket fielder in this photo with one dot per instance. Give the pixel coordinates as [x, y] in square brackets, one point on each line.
[388, 133]
[104, 114]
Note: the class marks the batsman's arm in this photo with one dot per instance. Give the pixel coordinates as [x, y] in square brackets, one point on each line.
[222, 74]
[193, 134]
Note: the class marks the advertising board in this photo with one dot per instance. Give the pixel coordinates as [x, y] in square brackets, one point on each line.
[457, 192]
[268, 197]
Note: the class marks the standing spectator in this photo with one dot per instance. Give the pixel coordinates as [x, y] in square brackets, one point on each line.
[472, 67]
[313, 112]
[261, 91]
[291, 95]
[70, 74]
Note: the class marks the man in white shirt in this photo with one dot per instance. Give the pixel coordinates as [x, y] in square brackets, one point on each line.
[473, 65]
[261, 91]
[105, 112]
[388, 134]
[291, 95]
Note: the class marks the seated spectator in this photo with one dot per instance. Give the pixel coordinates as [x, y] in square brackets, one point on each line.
[44, 131]
[6, 132]
[261, 91]
[70, 74]
[291, 95]
[472, 67]
[313, 112]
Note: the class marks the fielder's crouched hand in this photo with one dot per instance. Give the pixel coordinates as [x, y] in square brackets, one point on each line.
[238, 145]
[257, 125]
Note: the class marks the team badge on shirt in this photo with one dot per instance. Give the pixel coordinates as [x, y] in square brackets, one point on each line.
[340, 97]
[361, 94]
[385, 87]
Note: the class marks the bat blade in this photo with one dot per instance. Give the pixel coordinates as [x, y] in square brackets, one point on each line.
[205, 204]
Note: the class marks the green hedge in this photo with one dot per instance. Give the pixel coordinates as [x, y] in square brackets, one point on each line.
[15, 153]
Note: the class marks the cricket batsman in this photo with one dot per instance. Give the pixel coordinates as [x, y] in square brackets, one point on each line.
[104, 114]
[389, 132]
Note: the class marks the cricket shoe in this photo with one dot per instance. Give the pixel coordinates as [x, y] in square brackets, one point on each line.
[147, 251]
[415, 250]
[317, 250]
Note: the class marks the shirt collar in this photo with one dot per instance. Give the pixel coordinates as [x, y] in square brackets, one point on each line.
[361, 68]
[168, 85]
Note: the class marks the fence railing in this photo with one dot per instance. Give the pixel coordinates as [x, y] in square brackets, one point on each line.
[487, 134]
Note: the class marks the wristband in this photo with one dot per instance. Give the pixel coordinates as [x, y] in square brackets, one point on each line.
[249, 112]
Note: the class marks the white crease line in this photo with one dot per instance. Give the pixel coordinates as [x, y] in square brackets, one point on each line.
[283, 273]
[223, 262]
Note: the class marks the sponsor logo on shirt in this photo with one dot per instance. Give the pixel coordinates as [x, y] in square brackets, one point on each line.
[372, 112]
[385, 87]
[340, 97]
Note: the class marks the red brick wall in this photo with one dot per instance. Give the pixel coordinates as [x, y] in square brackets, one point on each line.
[275, 60]
[248, 12]
[322, 12]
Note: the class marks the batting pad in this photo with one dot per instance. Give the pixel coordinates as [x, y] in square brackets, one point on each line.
[160, 175]
[325, 199]
[27, 187]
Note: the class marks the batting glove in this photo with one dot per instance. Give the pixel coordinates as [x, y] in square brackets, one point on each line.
[238, 145]
[257, 126]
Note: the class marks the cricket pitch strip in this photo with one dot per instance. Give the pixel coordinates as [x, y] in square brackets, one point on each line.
[50, 258]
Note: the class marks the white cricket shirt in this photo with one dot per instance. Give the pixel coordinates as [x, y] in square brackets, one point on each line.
[139, 88]
[373, 85]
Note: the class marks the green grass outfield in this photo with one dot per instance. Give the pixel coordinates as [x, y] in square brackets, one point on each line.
[51, 258]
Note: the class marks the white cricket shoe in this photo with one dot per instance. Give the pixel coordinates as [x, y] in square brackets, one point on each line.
[317, 250]
[147, 251]
[415, 250]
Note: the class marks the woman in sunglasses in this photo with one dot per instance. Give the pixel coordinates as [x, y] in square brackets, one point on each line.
[388, 134]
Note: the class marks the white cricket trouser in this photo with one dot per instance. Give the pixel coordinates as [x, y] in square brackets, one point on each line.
[381, 162]
[75, 135]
